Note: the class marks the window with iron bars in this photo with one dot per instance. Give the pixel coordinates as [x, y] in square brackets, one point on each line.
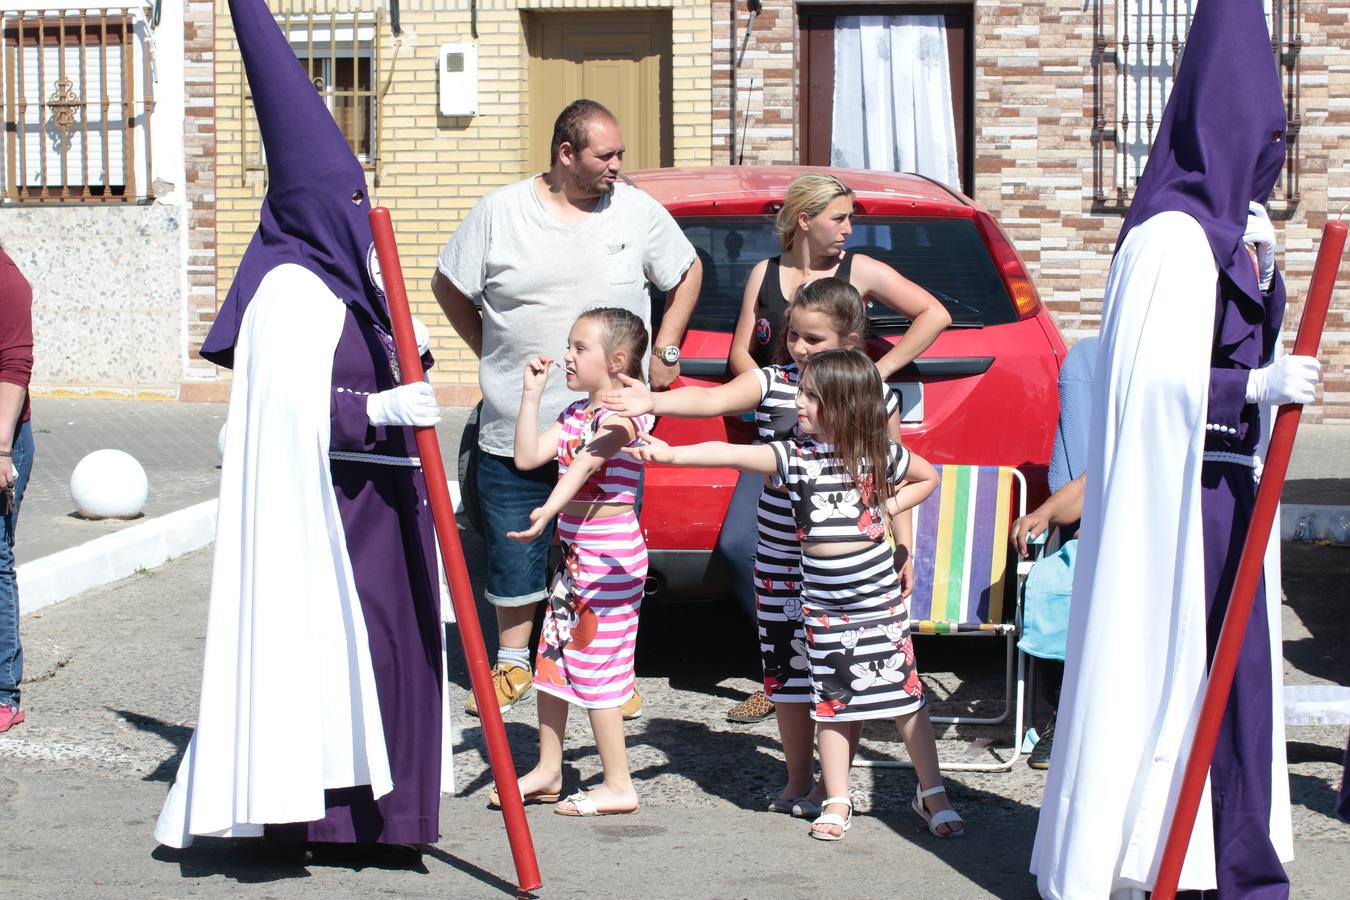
[1137, 46]
[77, 103]
[341, 53]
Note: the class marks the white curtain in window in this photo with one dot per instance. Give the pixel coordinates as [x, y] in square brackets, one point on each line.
[893, 97]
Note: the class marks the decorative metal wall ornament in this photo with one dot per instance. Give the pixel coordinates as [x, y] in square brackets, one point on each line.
[65, 104]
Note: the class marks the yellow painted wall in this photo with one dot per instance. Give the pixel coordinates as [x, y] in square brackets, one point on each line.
[432, 169]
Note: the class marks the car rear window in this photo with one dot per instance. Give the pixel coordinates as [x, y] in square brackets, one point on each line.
[945, 256]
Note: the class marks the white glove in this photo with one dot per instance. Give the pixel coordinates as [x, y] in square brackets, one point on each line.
[1289, 379]
[422, 335]
[407, 404]
[1261, 235]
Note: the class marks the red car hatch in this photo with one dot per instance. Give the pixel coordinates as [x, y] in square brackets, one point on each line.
[983, 393]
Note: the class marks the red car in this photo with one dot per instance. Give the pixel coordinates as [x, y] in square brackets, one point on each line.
[984, 392]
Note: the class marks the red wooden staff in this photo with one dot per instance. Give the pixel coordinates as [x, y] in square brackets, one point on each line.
[461, 593]
[1249, 573]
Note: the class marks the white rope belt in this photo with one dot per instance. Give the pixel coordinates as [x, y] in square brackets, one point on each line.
[378, 459]
[1224, 456]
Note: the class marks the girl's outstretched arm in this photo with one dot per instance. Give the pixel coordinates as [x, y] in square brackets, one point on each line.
[740, 394]
[756, 458]
[606, 443]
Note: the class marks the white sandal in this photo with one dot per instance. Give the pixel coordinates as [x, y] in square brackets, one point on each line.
[946, 816]
[829, 818]
[584, 807]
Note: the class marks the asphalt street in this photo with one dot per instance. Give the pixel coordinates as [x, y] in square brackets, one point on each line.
[112, 693]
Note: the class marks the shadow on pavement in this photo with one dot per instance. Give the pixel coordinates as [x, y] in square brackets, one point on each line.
[700, 754]
[1313, 793]
[1313, 575]
[468, 868]
[260, 860]
[178, 735]
[523, 737]
[246, 861]
[996, 847]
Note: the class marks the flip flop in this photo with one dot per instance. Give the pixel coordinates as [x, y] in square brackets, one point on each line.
[585, 807]
[495, 802]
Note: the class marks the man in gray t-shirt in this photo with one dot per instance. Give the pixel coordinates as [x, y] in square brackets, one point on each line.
[537, 254]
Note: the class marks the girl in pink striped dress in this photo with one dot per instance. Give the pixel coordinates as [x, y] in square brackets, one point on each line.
[590, 629]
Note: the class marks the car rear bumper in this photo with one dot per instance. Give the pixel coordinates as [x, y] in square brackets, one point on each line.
[686, 575]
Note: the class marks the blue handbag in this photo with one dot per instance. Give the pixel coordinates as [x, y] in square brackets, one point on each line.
[1045, 605]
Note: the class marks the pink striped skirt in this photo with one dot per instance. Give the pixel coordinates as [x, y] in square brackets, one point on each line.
[590, 630]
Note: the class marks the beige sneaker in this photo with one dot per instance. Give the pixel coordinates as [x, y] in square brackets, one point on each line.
[632, 707]
[513, 684]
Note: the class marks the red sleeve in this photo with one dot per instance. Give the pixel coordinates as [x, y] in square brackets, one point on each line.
[16, 325]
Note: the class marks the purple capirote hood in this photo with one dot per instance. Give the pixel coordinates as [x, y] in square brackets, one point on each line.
[1220, 144]
[316, 210]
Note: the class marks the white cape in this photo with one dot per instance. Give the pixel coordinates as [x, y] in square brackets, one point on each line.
[288, 702]
[1135, 673]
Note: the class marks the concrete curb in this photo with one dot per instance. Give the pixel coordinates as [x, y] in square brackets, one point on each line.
[122, 554]
[113, 557]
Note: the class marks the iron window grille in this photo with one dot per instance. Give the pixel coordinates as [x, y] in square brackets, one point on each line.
[1137, 47]
[77, 106]
[341, 53]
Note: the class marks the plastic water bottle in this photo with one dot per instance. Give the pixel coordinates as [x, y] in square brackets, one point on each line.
[1340, 530]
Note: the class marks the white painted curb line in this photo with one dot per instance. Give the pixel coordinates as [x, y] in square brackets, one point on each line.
[115, 556]
[119, 555]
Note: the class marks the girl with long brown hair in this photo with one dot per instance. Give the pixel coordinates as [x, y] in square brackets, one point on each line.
[813, 225]
[825, 314]
[846, 482]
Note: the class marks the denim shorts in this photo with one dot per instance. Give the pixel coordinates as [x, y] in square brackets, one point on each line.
[517, 573]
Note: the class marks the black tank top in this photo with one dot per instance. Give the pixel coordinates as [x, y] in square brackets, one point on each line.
[771, 305]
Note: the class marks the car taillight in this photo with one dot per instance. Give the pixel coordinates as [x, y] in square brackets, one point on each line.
[1024, 297]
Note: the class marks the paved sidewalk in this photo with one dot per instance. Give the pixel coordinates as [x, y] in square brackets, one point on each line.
[175, 442]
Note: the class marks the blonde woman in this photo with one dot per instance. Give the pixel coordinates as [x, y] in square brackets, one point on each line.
[813, 225]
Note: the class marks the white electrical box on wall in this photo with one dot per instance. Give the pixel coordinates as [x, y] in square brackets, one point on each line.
[458, 64]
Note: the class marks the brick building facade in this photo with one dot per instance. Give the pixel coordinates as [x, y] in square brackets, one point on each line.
[1032, 116]
[1033, 90]
[433, 168]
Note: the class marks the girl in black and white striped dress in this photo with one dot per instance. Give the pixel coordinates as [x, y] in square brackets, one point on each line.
[845, 481]
[824, 314]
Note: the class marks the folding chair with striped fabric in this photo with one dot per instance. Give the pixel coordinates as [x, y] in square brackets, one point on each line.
[961, 579]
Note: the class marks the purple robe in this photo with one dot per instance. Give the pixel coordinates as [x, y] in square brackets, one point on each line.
[391, 542]
[1246, 861]
[316, 216]
[1220, 145]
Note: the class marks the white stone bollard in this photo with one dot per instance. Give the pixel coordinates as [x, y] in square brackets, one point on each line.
[109, 484]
